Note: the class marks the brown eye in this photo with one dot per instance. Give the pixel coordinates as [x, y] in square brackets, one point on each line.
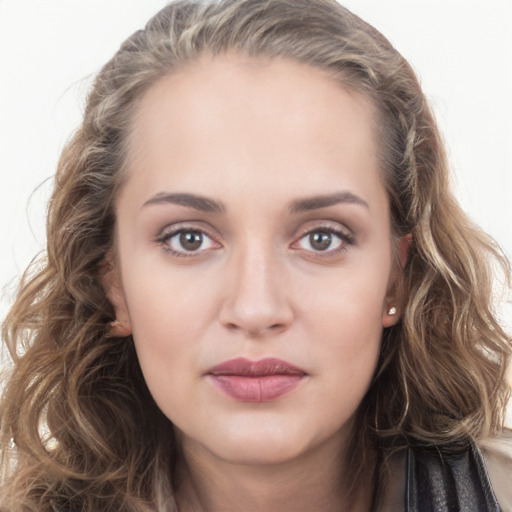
[324, 240]
[187, 242]
[320, 240]
[191, 240]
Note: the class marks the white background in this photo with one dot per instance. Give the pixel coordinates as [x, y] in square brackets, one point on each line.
[49, 50]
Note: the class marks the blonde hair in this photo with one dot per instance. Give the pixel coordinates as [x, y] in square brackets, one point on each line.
[75, 408]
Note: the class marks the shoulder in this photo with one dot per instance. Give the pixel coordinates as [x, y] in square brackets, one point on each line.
[497, 454]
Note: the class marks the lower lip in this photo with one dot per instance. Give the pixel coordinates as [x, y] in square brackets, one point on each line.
[256, 389]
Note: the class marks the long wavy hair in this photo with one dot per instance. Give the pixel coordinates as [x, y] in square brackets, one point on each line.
[79, 429]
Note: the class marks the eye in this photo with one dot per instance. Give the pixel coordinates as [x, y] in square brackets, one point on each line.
[324, 240]
[186, 242]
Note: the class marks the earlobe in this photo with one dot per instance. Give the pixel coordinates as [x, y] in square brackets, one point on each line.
[111, 282]
[390, 317]
[119, 329]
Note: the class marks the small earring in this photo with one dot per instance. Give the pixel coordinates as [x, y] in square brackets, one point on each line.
[392, 311]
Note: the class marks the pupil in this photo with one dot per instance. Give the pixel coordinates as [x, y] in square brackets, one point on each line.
[191, 240]
[320, 241]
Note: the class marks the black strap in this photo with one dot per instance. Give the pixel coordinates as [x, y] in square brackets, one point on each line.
[438, 481]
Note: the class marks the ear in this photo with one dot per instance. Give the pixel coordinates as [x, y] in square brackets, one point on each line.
[111, 281]
[393, 303]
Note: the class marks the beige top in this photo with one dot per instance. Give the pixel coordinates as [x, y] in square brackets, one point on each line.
[497, 453]
[498, 459]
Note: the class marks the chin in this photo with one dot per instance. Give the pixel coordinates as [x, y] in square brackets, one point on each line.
[262, 442]
[259, 451]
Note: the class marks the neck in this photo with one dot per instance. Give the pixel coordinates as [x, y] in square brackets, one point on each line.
[313, 483]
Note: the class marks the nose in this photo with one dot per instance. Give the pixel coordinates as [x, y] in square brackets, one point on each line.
[256, 302]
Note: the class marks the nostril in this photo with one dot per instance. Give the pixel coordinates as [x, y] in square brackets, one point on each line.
[256, 332]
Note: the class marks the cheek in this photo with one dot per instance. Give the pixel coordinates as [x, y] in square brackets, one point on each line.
[349, 303]
[162, 299]
[344, 318]
[169, 319]
[350, 357]
[350, 344]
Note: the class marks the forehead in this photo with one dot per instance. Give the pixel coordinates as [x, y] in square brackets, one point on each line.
[258, 87]
[235, 113]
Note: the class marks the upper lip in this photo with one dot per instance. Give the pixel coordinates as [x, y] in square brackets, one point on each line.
[262, 368]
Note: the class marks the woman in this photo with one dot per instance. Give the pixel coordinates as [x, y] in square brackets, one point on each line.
[259, 292]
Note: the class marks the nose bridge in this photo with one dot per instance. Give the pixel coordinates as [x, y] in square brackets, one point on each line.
[257, 300]
[257, 276]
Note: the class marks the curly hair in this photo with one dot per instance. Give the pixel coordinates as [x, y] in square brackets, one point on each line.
[79, 429]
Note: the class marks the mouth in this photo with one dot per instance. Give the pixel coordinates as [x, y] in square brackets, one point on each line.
[256, 381]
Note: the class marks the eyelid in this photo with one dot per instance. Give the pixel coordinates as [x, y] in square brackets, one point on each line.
[345, 234]
[171, 230]
[326, 225]
[191, 225]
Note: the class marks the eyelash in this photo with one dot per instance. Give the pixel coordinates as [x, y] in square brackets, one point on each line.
[345, 240]
[166, 236]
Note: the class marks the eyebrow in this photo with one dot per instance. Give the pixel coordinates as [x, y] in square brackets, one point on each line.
[323, 201]
[206, 204]
[196, 202]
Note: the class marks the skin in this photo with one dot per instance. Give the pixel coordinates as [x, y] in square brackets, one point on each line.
[256, 136]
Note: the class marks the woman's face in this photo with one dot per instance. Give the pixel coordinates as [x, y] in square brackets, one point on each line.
[254, 256]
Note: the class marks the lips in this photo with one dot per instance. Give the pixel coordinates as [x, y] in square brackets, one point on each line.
[256, 381]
